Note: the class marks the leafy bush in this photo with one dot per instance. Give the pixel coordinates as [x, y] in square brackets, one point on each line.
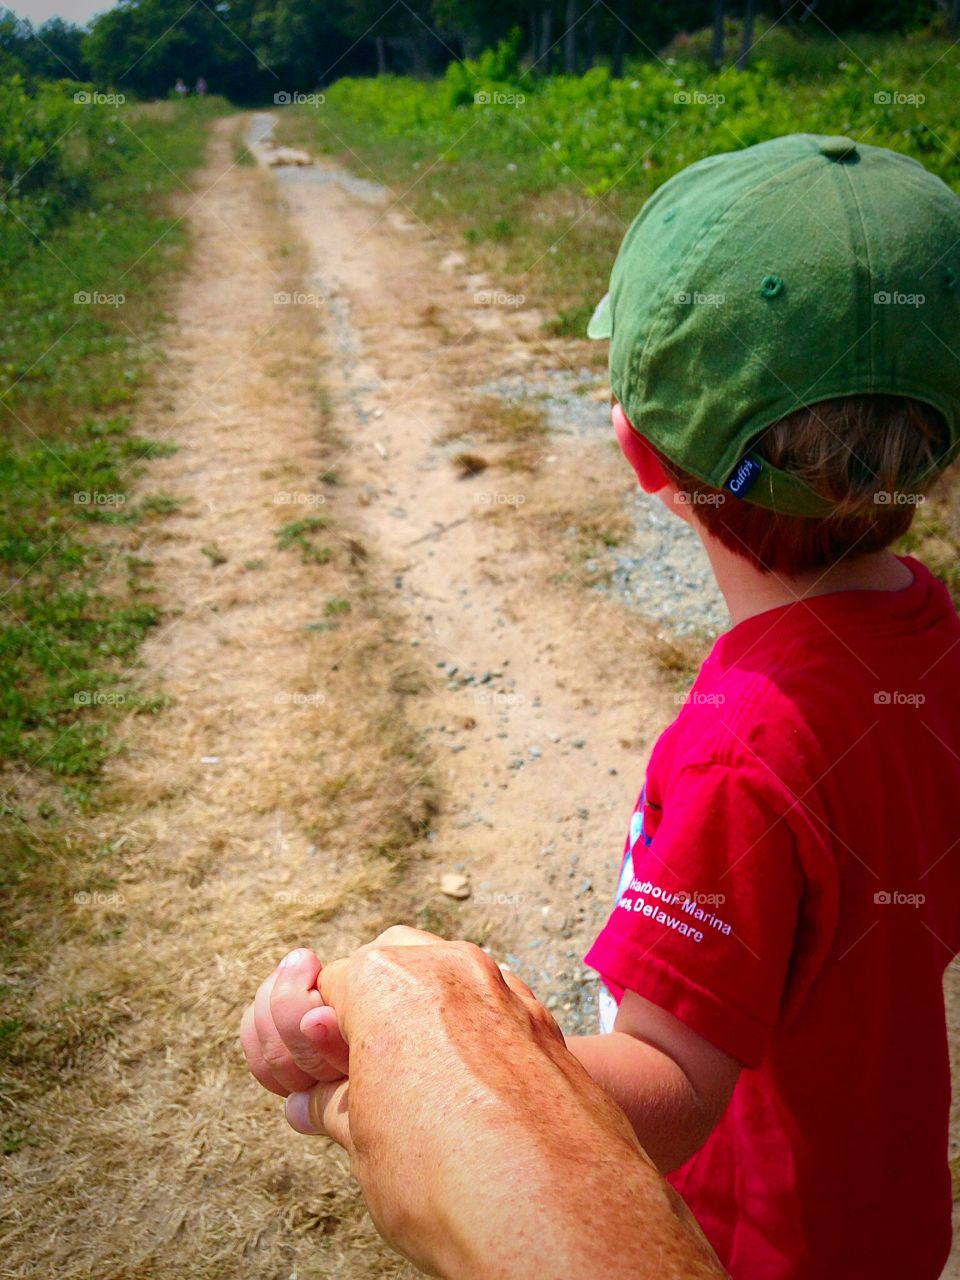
[56, 142]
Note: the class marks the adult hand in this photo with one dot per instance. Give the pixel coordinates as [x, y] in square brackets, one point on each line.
[482, 1147]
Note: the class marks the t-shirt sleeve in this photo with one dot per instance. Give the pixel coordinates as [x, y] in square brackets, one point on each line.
[708, 906]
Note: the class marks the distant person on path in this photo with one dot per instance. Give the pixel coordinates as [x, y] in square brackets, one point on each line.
[200, 88]
[180, 88]
[784, 328]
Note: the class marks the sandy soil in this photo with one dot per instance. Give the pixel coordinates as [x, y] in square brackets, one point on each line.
[477, 687]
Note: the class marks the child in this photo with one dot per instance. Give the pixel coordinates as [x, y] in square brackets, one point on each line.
[785, 356]
[784, 325]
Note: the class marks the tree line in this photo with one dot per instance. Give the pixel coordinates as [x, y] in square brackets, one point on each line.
[248, 50]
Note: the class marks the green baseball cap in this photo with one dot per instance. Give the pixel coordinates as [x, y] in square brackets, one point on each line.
[760, 281]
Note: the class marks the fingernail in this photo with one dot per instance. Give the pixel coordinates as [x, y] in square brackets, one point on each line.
[293, 958]
[297, 1111]
[312, 1024]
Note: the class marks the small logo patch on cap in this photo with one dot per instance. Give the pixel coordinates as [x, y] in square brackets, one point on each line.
[744, 475]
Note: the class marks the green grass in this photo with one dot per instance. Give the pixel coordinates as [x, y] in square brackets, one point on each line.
[302, 534]
[76, 605]
[543, 191]
[77, 598]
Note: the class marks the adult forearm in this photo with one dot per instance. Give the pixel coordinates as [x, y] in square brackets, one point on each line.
[658, 1099]
[567, 1194]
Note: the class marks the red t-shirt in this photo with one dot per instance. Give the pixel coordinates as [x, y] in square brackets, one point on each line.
[791, 892]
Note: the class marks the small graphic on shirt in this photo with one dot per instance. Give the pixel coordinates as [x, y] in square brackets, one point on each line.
[692, 915]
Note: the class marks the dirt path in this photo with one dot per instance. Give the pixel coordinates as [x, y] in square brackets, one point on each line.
[420, 685]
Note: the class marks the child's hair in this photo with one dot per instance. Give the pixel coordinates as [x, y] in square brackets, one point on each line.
[869, 455]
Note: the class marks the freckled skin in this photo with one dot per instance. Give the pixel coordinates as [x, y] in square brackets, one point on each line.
[482, 1147]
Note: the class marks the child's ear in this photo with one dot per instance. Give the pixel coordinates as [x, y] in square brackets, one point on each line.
[650, 474]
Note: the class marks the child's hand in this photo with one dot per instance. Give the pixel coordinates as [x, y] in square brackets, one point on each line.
[291, 1040]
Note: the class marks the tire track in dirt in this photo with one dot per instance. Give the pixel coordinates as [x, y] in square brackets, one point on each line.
[540, 751]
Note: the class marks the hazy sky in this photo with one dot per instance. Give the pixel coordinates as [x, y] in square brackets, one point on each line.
[80, 11]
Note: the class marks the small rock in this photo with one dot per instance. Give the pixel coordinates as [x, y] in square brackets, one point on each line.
[455, 886]
[535, 752]
[578, 743]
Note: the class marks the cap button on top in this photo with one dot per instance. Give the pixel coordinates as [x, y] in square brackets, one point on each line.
[838, 148]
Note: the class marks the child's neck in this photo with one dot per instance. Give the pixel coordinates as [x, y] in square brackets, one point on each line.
[748, 592]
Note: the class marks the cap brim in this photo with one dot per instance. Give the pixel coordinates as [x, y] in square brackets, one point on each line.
[601, 322]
